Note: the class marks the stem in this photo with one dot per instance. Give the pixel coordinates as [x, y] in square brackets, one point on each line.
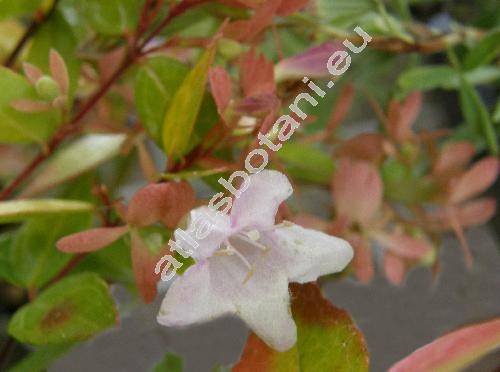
[32, 29]
[67, 269]
[75, 124]
[7, 347]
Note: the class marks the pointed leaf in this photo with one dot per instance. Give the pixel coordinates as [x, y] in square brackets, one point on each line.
[59, 71]
[181, 116]
[19, 210]
[91, 240]
[476, 180]
[79, 157]
[454, 351]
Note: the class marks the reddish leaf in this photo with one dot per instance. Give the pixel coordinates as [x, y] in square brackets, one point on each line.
[143, 264]
[247, 30]
[33, 73]
[91, 240]
[454, 156]
[365, 146]
[256, 75]
[311, 63]
[59, 71]
[394, 268]
[401, 117]
[166, 202]
[403, 245]
[475, 212]
[357, 190]
[25, 105]
[454, 351]
[475, 181]
[363, 261]
[221, 86]
[288, 7]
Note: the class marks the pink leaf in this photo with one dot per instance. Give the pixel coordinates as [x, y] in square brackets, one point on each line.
[475, 181]
[59, 71]
[454, 156]
[403, 245]
[357, 190]
[221, 86]
[33, 73]
[401, 117]
[472, 213]
[311, 63]
[28, 106]
[166, 202]
[363, 260]
[394, 268]
[91, 240]
[454, 351]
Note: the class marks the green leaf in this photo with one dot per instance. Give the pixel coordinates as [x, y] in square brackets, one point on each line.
[74, 309]
[56, 33]
[41, 359]
[19, 210]
[9, 8]
[298, 159]
[20, 127]
[477, 116]
[156, 83]
[327, 339]
[31, 258]
[77, 158]
[111, 17]
[183, 111]
[485, 51]
[344, 13]
[169, 363]
[432, 77]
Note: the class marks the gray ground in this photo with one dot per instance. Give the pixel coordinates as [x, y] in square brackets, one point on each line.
[395, 321]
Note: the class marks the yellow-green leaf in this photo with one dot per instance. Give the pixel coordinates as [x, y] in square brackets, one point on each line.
[183, 111]
[19, 210]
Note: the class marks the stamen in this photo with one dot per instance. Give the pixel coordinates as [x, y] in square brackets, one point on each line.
[253, 235]
[230, 248]
[253, 242]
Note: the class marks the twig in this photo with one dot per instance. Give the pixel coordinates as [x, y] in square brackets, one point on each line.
[7, 348]
[75, 124]
[32, 29]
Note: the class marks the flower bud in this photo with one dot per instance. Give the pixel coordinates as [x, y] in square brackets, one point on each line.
[47, 88]
[230, 49]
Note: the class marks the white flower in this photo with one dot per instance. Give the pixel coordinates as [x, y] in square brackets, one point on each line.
[244, 266]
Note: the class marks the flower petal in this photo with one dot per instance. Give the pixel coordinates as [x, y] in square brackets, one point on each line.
[192, 299]
[309, 254]
[262, 300]
[220, 230]
[259, 203]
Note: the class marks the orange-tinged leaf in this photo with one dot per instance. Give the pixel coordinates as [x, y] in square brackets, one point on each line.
[24, 105]
[454, 351]
[166, 202]
[394, 268]
[475, 181]
[357, 190]
[403, 245]
[288, 7]
[454, 156]
[91, 240]
[143, 264]
[327, 339]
